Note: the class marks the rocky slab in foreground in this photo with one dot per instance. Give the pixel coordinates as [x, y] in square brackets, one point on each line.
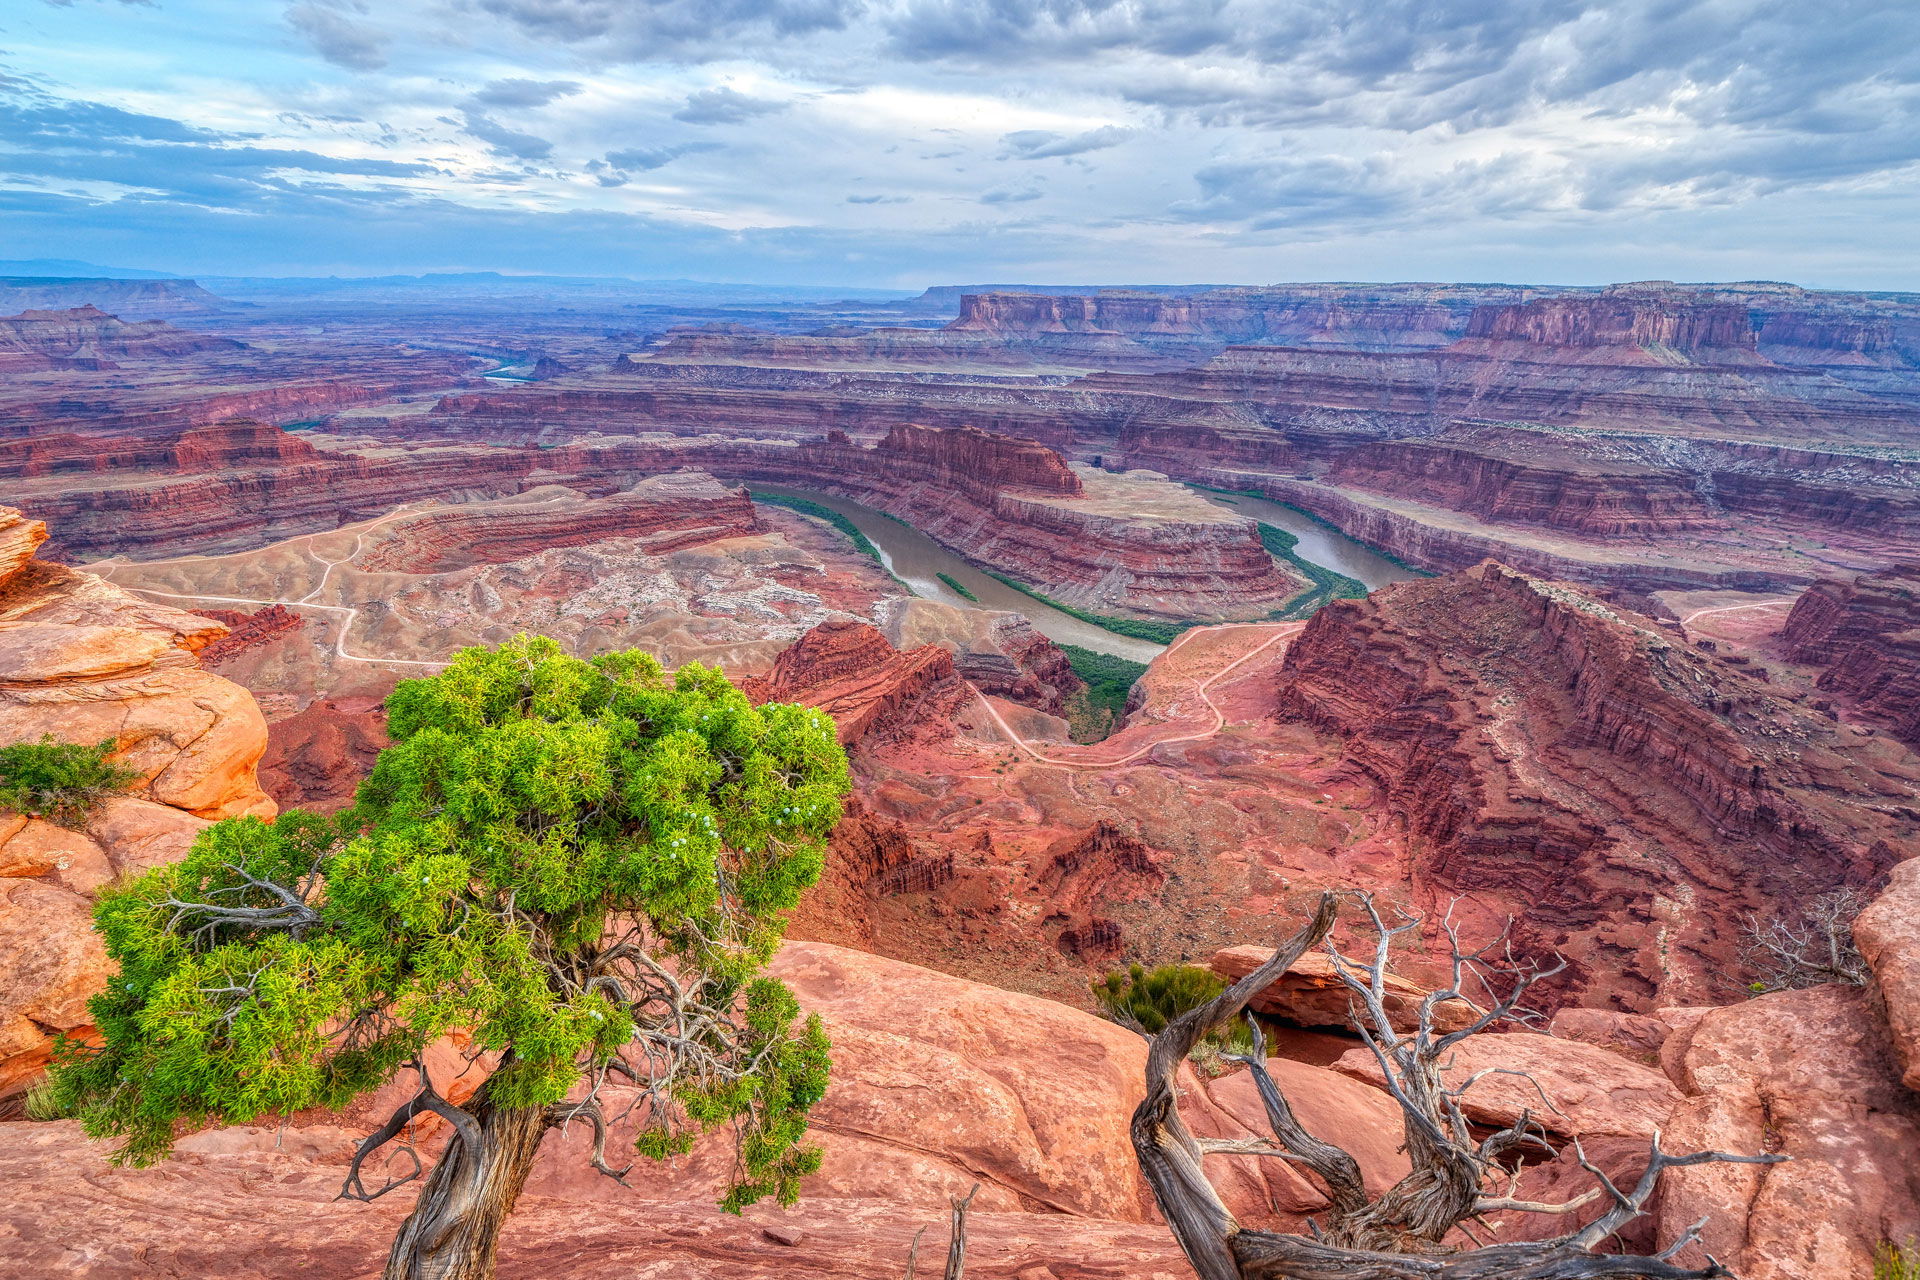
[1809, 1074]
[85, 662]
[938, 1083]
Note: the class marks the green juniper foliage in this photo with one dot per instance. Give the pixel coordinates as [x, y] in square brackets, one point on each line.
[59, 781]
[560, 858]
[1148, 999]
[1109, 680]
[1896, 1262]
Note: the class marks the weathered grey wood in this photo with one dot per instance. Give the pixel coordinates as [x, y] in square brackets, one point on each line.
[1406, 1233]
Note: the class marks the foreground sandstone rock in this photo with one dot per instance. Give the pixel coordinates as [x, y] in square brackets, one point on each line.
[1570, 1088]
[1888, 934]
[1311, 994]
[1809, 1074]
[85, 662]
[938, 1083]
[1626, 798]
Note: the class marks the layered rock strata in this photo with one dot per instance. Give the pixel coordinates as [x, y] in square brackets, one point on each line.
[1627, 798]
[142, 299]
[664, 513]
[1866, 633]
[873, 692]
[89, 338]
[1131, 544]
[84, 662]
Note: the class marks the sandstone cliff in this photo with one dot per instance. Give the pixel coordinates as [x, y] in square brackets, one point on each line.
[873, 692]
[1866, 633]
[1626, 797]
[1634, 325]
[86, 662]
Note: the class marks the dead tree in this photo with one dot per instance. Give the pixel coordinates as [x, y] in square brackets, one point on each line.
[1815, 946]
[956, 1243]
[1409, 1231]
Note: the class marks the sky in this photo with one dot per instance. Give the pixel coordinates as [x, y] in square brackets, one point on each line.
[900, 143]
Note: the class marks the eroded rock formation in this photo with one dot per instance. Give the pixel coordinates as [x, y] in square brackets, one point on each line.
[873, 692]
[663, 513]
[84, 662]
[1866, 633]
[1625, 796]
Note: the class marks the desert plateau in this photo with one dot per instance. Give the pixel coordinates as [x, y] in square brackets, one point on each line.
[587, 693]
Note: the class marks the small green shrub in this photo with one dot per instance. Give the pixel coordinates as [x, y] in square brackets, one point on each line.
[42, 1103]
[59, 781]
[1896, 1262]
[1109, 679]
[1146, 1000]
[958, 586]
[1158, 632]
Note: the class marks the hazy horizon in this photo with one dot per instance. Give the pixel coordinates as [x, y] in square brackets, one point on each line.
[901, 143]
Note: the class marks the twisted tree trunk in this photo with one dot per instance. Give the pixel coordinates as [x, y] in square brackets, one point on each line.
[1401, 1235]
[454, 1229]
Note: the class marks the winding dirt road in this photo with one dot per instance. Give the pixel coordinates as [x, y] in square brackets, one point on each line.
[1733, 608]
[1284, 631]
[349, 614]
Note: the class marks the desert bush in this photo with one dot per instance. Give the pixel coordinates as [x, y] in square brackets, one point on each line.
[1805, 946]
[1146, 1000]
[59, 781]
[1896, 1262]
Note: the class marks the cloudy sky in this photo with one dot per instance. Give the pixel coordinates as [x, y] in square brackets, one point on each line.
[904, 142]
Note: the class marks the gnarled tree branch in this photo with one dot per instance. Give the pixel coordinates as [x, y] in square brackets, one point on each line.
[1405, 1233]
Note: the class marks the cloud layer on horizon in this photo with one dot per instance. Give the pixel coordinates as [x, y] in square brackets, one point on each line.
[875, 141]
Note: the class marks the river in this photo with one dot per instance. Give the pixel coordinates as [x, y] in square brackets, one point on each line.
[918, 560]
[1320, 543]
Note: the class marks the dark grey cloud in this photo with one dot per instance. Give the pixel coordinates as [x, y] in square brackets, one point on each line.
[54, 138]
[1413, 64]
[725, 106]
[1041, 144]
[643, 159]
[503, 141]
[1297, 191]
[524, 93]
[337, 36]
[651, 30]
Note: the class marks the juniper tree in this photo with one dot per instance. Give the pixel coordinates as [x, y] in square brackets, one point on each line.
[576, 869]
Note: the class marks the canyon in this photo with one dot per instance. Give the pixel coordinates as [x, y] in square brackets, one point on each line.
[1651, 675]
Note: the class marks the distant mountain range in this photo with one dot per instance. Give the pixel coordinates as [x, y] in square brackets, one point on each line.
[73, 269]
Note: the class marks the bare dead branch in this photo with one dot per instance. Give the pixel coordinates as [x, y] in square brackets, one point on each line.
[1404, 1233]
[957, 1246]
[427, 1099]
[1168, 1155]
[565, 1113]
[1339, 1171]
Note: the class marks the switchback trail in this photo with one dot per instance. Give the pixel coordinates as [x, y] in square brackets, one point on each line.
[1283, 631]
[349, 614]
